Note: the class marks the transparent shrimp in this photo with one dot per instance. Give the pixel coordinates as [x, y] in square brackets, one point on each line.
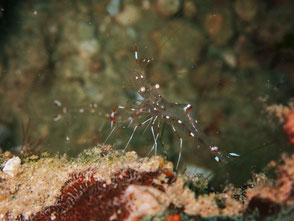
[159, 110]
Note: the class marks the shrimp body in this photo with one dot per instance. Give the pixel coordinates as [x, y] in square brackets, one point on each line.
[160, 110]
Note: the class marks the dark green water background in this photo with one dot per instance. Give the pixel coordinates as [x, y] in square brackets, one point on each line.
[229, 59]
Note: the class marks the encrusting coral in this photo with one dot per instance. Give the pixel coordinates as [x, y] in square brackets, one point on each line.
[103, 184]
[285, 114]
[289, 126]
[99, 183]
[272, 197]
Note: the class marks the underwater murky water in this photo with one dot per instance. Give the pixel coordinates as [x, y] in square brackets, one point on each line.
[229, 60]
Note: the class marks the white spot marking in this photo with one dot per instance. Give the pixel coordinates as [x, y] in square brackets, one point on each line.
[214, 148]
[234, 155]
[57, 117]
[217, 158]
[143, 89]
[191, 134]
[187, 107]
[57, 103]
[179, 121]
[136, 55]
